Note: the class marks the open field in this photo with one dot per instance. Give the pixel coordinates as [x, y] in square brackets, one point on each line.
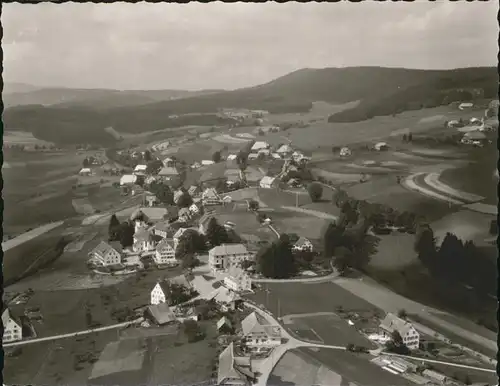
[319, 134]
[23, 138]
[355, 368]
[311, 372]
[394, 252]
[293, 222]
[57, 362]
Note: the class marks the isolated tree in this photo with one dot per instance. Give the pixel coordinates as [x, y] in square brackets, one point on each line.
[126, 234]
[332, 239]
[342, 260]
[154, 166]
[147, 156]
[216, 157]
[405, 138]
[253, 205]
[114, 228]
[494, 227]
[185, 200]
[402, 314]
[192, 330]
[162, 192]
[410, 137]
[86, 163]
[315, 191]
[276, 260]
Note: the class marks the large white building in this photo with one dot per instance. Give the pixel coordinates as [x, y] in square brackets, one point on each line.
[225, 256]
[410, 336]
[128, 179]
[105, 255]
[267, 182]
[13, 330]
[165, 253]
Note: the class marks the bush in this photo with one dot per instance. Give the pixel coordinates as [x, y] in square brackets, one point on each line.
[315, 191]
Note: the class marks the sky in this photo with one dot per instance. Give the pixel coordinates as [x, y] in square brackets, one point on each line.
[227, 46]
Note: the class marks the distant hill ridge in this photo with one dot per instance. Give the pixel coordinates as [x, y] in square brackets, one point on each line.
[382, 91]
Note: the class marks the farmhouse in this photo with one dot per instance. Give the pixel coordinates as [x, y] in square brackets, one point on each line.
[258, 334]
[194, 209]
[267, 182]
[381, 146]
[161, 314]
[224, 256]
[234, 370]
[160, 292]
[410, 336]
[168, 172]
[128, 179]
[168, 162]
[140, 169]
[13, 329]
[284, 150]
[105, 255]
[85, 172]
[238, 280]
[303, 245]
[210, 197]
[259, 145]
[165, 253]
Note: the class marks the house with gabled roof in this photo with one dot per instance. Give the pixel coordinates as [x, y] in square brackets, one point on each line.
[234, 370]
[203, 223]
[160, 292]
[303, 244]
[165, 253]
[194, 209]
[177, 195]
[178, 235]
[224, 325]
[238, 280]
[162, 229]
[259, 145]
[225, 256]
[161, 314]
[184, 214]
[144, 241]
[410, 336]
[105, 255]
[140, 169]
[194, 190]
[210, 197]
[267, 182]
[258, 334]
[13, 328]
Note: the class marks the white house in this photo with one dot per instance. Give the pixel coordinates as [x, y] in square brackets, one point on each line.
[160, 292]
[381, 146]
[466, 105]
[195, 165]
[345, 152]
[275, 156]
[225, 256]
[409, 334]
[128, 179]
[143, 241]
[178, 235]
[177, 195]
[85, 172]
[238, 280]
[140, 169]
[259, 145]
[105, 255]
[165, 253]
[253, 156]
[210, 197]
[303, 244]
[267, 182]
[194, 209]
[231, 157]
[284, 149]
[13, 330]
[258, 334]
[207, 162]
[168, 162]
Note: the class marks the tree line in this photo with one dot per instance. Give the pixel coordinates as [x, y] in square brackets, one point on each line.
[456, 261]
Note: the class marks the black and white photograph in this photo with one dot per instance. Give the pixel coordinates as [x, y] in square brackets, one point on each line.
[250, 194]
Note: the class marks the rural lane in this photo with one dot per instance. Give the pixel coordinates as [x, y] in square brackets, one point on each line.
[72, 334]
